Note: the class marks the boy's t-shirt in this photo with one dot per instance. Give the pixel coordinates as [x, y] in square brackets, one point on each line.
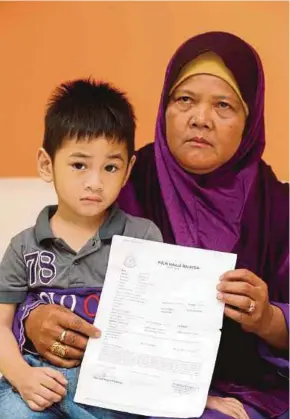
[39, 268]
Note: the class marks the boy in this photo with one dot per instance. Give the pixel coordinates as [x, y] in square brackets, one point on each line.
[88, 153]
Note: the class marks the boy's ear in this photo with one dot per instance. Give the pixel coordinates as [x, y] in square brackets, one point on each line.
[44, 166]
[129, 169]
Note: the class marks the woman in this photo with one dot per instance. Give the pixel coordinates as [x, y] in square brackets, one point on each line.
[204, 184]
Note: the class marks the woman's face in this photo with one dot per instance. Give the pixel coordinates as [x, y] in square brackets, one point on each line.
[204, 123]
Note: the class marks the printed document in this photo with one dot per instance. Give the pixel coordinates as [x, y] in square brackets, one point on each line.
[161, 326]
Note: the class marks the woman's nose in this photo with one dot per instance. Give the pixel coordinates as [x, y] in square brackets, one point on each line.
[201, 117]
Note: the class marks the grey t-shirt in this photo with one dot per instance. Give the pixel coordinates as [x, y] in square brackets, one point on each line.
[36, 258]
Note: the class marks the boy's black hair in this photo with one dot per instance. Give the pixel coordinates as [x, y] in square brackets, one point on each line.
[85, 109]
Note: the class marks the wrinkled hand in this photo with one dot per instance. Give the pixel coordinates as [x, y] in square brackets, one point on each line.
[228, 406]
[239, 289]
[41, 387]
[44, 327]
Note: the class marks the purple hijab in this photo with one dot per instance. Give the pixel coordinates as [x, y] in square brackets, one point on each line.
[241, 207]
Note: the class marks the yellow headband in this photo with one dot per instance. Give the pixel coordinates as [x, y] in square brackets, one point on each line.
[210, 63]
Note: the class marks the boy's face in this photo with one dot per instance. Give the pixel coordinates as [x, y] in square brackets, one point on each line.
[88, 174]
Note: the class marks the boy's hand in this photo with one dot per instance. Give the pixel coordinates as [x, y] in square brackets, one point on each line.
[41, 387]
[227, 405]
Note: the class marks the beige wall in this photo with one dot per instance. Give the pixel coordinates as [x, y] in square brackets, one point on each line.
[22, 200]
[130, 44]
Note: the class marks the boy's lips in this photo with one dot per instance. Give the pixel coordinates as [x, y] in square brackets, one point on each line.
[92, 199]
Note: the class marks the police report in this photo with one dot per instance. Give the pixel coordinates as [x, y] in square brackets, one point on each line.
[160, 322]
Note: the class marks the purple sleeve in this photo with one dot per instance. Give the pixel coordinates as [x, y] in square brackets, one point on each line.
[279, 297]
[22, 312]
[277, 357]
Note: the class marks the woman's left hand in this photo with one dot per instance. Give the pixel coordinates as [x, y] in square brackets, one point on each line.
[247, 300]
[228, 405]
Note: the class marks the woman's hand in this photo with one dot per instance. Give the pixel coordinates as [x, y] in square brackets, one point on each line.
[51, 323]
[247, 302]
[246, 298]
[228, 406]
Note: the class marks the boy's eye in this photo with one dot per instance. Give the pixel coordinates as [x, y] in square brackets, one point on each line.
[111, 168]
[79, 166]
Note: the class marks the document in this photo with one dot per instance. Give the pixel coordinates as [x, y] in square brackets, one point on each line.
[161, 326]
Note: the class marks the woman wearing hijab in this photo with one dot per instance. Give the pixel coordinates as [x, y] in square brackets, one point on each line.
[204, 183]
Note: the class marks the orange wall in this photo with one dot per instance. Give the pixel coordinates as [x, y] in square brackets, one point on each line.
[128, 43]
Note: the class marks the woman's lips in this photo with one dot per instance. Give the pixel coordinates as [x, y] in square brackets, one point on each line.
[199, 142]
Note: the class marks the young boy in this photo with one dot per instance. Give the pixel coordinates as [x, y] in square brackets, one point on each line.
[88, 153]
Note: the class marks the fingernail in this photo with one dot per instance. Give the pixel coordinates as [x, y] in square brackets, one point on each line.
[219, 296]
[221, 278]
[219, 287]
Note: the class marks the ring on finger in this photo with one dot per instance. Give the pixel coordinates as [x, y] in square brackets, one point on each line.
[58, 349]
[62, 336]
[251, 307]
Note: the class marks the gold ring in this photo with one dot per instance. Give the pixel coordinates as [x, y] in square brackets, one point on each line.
[62, 336]
[252, 307]
[58, 349]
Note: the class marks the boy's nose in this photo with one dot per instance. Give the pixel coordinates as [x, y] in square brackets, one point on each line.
[94, 183]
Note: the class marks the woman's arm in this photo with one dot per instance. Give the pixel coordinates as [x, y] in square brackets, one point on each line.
[276, 333]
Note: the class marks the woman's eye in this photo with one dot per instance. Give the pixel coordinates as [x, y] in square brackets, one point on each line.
[184, 99]
[224, 105]
[78, 166]
[111, 168]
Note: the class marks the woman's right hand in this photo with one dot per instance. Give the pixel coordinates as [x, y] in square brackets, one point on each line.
[45, 326]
